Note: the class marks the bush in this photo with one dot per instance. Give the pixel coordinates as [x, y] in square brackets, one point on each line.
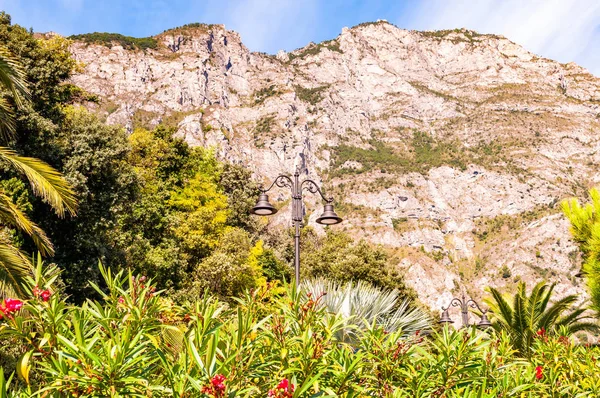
[133, 342]
[311, 95]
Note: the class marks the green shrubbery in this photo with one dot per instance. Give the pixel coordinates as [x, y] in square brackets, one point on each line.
[134, 342]
[110, 39]
[311, 95]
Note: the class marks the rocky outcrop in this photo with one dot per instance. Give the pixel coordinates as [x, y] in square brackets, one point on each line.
[452, 148]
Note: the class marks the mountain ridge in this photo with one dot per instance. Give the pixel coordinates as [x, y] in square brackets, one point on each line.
[451, 148]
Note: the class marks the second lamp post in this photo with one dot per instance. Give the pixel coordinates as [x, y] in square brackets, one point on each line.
[264, 208]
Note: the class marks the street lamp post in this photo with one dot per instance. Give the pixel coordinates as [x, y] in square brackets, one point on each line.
[464, 305]
[264, 208]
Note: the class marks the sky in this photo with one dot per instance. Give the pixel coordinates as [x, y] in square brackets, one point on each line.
[564, 30]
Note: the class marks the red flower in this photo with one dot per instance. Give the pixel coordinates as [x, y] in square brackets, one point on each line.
[284, 389]
[538, 372]
[9, 306]
[216, 387]
[541, 332]
[45, 295]
[13, 305]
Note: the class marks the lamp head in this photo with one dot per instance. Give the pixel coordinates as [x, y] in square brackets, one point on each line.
[484, 323]
[329, 217]
[263, 207]
[445, 318]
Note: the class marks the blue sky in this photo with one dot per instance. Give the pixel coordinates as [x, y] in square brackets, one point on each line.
[565, 30]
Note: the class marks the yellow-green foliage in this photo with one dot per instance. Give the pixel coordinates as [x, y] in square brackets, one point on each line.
[585, 228]
[181, 229]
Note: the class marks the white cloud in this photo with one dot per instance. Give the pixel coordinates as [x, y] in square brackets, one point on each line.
[565, 30]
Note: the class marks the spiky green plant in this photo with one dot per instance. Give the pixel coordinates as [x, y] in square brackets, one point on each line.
[362, 305]
[524, 317]
[45, 182]
[585, 229]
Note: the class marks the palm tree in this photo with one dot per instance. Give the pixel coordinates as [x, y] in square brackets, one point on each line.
[46, 183]
[523, 317]
[362, 305]
[585, 229]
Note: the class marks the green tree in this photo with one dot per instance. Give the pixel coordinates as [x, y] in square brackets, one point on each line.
[339, 258]
[585, 229]
[524, 317]
[92, 157]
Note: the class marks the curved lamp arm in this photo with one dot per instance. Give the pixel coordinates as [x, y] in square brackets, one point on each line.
[312, 187]
[456, 302]
[473, 304]
[281, 181]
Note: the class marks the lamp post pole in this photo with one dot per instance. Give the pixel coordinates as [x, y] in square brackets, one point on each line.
[264, 208]
[464, 305]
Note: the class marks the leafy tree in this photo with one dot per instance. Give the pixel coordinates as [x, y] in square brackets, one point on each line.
[92, 157]
[525, 317]
[242, 192]
[339, 258]
[585, 229]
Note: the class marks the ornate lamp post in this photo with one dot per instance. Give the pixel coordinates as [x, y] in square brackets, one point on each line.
[264, 208]
[464, 305]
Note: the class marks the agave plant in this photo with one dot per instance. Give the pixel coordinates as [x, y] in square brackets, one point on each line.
[362, 306]
[524, 317]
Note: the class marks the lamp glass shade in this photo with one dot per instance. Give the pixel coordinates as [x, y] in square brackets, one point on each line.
[329, 217]
[263, 207]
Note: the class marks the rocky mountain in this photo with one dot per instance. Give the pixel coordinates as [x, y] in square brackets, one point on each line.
[451, 148]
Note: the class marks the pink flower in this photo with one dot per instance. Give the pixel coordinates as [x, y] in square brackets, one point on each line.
[121, 300]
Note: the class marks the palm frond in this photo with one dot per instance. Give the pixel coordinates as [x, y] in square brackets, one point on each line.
[558, 308]
[362, 305]
[46, 182]
[13, 78]
[15, 267]
[11, 215]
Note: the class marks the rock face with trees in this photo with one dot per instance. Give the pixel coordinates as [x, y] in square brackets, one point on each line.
[451, 148]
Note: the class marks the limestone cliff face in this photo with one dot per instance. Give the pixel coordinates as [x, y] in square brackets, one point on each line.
[450, 147]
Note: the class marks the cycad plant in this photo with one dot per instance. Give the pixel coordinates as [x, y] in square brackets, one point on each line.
[527, 317]
[585, 229]
[45, 182]
[362, 306]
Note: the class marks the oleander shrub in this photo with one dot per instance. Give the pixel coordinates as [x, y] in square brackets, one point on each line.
[135, 342]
